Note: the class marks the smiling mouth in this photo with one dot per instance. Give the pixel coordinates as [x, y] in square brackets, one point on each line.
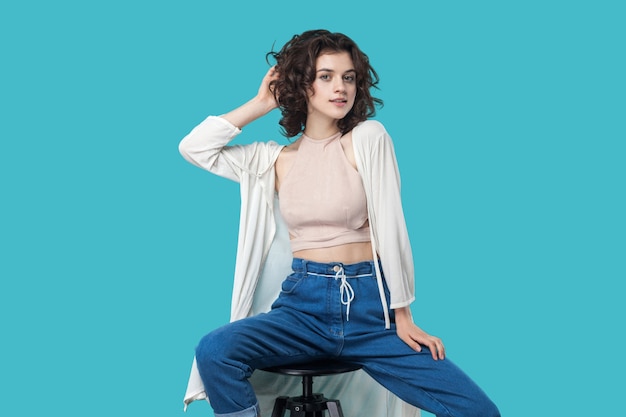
[339, 100]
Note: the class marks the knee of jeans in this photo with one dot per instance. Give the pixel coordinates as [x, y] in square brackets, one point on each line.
[212, 350]
[225, 350]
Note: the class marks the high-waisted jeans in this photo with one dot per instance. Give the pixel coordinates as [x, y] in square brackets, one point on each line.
[331, 311]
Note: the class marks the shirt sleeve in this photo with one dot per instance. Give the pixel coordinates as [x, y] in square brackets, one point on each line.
[379, 168]
[206, 147]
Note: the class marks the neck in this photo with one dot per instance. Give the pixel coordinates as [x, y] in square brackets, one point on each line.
[321, 130]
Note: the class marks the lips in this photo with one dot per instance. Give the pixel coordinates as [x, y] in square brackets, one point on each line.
[339, 101]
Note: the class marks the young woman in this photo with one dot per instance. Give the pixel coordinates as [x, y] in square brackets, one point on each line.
[337, 185]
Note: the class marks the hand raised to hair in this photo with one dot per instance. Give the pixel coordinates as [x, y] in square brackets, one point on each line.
[266, 93]
[258, 106]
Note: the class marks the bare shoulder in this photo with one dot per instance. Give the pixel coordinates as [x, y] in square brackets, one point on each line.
[285, 161]
[287, 154]
[348, 148]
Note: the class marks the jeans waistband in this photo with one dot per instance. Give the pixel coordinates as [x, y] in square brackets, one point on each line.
[331, 268]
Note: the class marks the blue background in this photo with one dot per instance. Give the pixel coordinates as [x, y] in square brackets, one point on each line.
[116, 255]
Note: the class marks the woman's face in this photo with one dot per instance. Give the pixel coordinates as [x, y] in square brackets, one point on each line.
[334, 89]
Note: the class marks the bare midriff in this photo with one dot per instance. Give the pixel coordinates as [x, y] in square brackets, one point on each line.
[349, 253]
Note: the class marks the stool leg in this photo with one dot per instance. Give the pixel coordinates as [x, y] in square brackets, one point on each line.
[279, 407]
[307, 386]
[334, 408]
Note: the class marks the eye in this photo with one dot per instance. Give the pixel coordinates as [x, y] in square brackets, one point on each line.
[325, 77]
[349, 78]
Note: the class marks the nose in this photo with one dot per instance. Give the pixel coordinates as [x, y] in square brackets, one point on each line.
[340, 85]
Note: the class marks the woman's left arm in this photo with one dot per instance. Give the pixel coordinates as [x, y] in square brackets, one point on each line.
[416, 337]
[375, 158]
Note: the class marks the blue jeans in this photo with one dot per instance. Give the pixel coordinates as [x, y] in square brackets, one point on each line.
[331, 311]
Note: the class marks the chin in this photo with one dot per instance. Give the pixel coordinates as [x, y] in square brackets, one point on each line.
[341, 115]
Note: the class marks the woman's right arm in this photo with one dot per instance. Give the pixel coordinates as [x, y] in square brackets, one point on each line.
[205, 146]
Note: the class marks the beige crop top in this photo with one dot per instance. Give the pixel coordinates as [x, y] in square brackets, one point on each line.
[322, 198]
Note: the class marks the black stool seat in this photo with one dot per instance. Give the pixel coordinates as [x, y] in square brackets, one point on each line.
[319, 368]
[310, 404]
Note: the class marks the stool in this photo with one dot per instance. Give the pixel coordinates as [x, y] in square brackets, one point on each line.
[310, 404]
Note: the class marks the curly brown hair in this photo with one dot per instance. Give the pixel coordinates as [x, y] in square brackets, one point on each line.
[295, 64]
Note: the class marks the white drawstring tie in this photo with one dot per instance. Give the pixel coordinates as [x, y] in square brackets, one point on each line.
[345, 289]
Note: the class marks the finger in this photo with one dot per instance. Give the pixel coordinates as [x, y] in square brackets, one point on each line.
[416, 346]
[433, 351]
[436, 348]
[273, 72]
[442, 351]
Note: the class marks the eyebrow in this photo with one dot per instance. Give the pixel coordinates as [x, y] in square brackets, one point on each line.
[330, 70]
